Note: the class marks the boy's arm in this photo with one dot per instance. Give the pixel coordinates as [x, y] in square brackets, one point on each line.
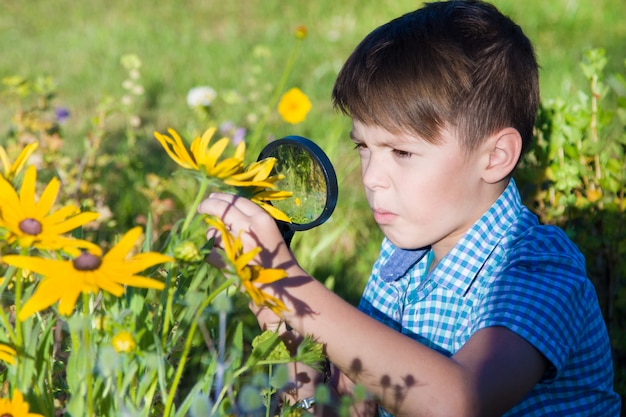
[493, 371]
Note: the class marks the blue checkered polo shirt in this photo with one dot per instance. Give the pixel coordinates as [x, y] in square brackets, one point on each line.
[507, 270]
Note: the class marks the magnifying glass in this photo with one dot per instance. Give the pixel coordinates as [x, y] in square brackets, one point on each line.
[310, 175]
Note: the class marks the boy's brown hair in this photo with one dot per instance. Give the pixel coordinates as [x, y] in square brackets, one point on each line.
[455, 64]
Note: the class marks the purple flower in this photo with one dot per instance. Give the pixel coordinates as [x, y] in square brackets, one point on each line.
[239, 135]
[236, 134]
[61, 114]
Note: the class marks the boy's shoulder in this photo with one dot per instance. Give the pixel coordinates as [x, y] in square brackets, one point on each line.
[531, 242]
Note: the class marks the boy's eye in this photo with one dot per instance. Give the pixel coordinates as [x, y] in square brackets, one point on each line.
[401, 154]
[359, 146]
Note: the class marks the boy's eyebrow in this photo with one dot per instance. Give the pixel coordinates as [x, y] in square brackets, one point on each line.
[352, 136]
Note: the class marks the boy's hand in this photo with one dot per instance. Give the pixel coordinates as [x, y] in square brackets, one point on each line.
[253, 224]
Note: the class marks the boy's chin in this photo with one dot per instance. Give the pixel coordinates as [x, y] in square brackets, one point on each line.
[403, 243]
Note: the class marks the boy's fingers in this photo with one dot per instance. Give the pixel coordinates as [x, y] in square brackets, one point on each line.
[220, 204]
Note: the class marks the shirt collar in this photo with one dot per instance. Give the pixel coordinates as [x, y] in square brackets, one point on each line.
[399, 262]
[459, 268]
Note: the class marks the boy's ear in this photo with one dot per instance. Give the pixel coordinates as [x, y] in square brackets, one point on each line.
[504, 149]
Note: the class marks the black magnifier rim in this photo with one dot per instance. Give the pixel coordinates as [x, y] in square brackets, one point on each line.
[332, 190]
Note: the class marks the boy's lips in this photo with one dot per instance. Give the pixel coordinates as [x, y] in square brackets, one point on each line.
[383, 217]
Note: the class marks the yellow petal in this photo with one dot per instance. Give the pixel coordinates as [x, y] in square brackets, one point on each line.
[240, 151]
[177, 153]
[210, 157]
[109, 283]
[6, 164]
[7, 349]
[47, 293]
[141, 262]
[200, 145]
[227, 237]
[273, 211]
[23, 157]
[269, 275]
[27, 192]
[67, 245]
[9, 200]
[34, 264]
[68, 300]
[143, 282]
[272, 195]
[244, 259]
[7, 354]
[61, 214]
[124, 246]
[47, 199]
[227, 168]
[70, 224]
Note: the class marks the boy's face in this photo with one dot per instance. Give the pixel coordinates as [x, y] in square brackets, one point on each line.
[420, 193]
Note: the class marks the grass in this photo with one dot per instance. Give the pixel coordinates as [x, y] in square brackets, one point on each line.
[239, 48]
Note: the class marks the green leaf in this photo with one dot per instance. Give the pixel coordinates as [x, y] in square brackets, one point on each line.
[268, 346]
[236, 351]
[280, 376]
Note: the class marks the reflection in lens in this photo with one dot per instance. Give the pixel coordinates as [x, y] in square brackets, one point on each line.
[305, 178]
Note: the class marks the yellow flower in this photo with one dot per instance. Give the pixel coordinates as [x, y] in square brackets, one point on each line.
[203, 157]
[11, 170]
[123, 342]
[293, 106]
[16, 407]
[264, 197]
[88, 273]
[249, 275]
[7, 354]
[254, 182]
[594, 195]
[30, 223]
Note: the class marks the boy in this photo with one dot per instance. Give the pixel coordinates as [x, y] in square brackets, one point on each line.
[473, 308]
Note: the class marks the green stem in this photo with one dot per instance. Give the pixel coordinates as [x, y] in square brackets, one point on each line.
[168, 306]
[241, 371]
[279, 89]
[87, 352]
[185, 352]
[19, 337]
[194, 207]
[18, 305]
[10, 273]
[268, 399]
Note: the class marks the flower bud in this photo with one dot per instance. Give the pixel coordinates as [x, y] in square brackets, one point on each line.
[187, 251]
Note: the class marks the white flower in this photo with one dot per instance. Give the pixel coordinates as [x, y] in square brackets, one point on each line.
[201, 96]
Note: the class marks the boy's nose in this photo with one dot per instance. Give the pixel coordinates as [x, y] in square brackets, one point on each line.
[373, 174]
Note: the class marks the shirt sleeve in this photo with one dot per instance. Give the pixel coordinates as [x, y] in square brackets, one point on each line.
[543, 298]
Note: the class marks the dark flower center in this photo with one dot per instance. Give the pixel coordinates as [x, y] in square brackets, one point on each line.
[86, 262]
[6, 415]
[30, 227]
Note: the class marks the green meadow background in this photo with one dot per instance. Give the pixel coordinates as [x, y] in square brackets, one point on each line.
[240, 49]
